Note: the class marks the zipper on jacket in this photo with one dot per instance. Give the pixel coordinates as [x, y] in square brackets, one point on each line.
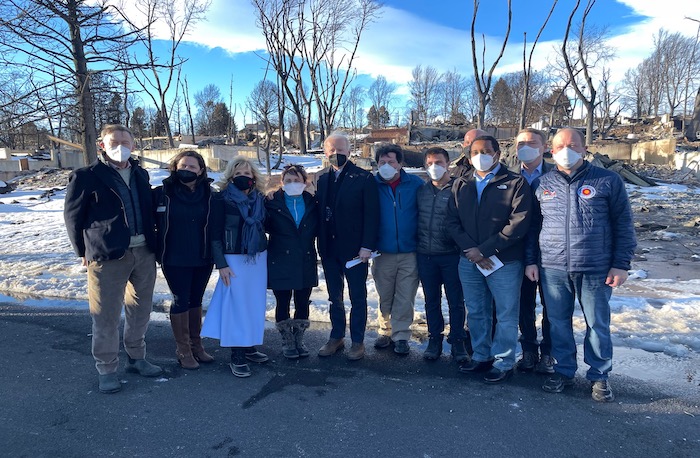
[430, 223]
[167, 224]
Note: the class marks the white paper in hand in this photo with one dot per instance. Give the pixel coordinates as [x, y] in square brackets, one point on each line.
[355, 261]
[497, 264]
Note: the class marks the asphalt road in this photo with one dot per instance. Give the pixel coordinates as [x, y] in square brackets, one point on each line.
[384, 405]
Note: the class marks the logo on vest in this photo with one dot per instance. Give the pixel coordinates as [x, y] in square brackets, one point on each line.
[548, 195]
[586, 192]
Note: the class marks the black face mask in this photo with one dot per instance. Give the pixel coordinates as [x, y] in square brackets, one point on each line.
[186, 176]
[243, 183]
[337, 160]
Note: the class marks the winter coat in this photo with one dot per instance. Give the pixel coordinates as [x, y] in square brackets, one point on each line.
[95, 214]
[163, 200]
[587, 223]
[291, 251]
[355, 213]
[433, 238]
[498, 224]
[227, 225]
[398, 214]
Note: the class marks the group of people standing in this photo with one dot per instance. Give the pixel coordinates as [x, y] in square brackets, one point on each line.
[487, 235]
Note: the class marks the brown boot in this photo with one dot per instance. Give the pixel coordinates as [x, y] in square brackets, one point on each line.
[332, 346]
[195, 338]
[180, 324]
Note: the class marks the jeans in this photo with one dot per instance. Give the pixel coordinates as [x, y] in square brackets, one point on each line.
[434, 272]
[528, 318]
[396, 278]
[561, 289]
[501, 290]
[335, 272]
[187, 285]
[126, 282]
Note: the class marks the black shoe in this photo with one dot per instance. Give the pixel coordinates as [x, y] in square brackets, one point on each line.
[473, 366]
[434, 349]
[459, 350]
[556, 383]
[497, 375]
[401, 347]
[601, 392]
[382, 342]
[252, 354]
[527, 362]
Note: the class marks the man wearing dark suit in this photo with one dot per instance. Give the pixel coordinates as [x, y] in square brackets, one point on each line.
[530, 144]
[349, 220]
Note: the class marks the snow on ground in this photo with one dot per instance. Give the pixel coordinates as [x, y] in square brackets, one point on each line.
[655, 322]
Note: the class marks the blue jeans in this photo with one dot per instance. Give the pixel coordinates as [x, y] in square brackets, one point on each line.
[561, 289]
[502, 290]
[434, 272]
[335, 272]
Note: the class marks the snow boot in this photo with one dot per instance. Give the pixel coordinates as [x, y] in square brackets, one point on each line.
[289, 348]
[300, 327]
[239, 365]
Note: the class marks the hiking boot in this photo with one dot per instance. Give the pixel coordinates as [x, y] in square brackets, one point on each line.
[527, 362]
[401, 347]
[299, 327]
[459, 350]
[357, 351]
[601, 392]
[434, 349]
[382, 342]
[109, 383]
[143, 368]
[252, 354]
[332, 346]
[556, 383]
[239, 366]
[546, 365]
[289, 346]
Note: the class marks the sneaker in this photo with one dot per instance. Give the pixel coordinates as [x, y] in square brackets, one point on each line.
[601, 392]
[382, 342]
[143, 368]
[546, 365]
[332, 346]
[109, 383]
[527, 362]
[556, 383]
[357, 351]
[401, 347]
[434, 349]
[252, 354]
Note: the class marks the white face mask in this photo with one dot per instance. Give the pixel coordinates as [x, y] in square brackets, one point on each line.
[436, 171]
[294, 189]
[482, 162]
[387, 172]
[119, 153]
[528, 154]
[566, 157]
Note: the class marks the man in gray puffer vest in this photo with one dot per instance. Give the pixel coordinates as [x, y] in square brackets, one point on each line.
[586, 244]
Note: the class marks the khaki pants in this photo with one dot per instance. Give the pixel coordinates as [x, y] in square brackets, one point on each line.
[396, 279]
[128, 281]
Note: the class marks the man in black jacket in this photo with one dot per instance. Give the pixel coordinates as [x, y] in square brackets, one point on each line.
[349, 220]
[109, 219]
[489, 217]
[438, 258]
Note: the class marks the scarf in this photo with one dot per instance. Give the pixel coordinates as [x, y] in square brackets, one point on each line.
[252, 209]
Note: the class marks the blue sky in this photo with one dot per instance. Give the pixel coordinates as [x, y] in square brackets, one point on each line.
[436, 33]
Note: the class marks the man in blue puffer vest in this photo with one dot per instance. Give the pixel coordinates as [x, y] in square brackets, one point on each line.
[586, 244]
[395, 272]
